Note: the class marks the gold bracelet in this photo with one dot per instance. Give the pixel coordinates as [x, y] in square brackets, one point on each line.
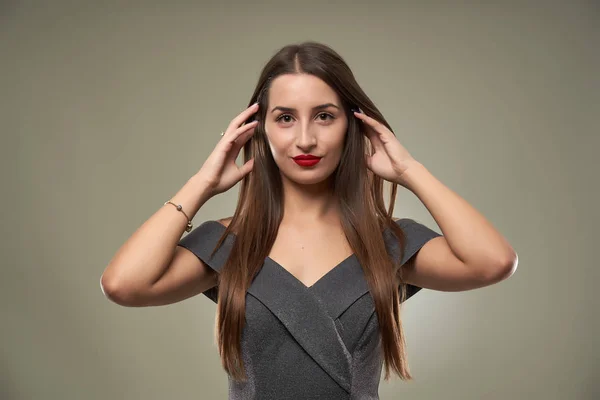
[189, 225]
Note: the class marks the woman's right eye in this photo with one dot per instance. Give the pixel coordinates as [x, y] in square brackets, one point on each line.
[284, 118]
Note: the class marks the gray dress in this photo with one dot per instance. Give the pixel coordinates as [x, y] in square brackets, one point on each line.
[299, 342]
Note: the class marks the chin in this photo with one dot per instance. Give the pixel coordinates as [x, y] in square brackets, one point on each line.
[307, 177]
[297, 174]
[313, 181]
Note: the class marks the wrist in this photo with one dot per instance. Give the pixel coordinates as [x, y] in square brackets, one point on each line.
[192, 195]
[201, 186]
[411, 177]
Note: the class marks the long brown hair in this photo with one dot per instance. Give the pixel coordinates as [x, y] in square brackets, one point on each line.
[363, 214]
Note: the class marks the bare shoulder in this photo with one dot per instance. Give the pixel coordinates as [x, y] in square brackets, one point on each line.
[225, 221]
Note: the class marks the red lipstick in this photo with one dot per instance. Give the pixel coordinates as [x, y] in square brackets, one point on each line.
[306, 160]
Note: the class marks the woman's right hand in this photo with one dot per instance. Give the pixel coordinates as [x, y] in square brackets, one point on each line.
[220, 171]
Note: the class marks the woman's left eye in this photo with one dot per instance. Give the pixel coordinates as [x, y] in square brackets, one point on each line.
[325, 116]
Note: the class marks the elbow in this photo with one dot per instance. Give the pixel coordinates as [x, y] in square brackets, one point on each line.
[110, 289]
[119, 293]
[504, 268]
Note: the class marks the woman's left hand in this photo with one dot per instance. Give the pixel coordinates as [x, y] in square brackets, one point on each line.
[390, 160]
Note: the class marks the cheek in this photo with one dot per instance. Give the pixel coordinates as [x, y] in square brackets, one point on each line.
[273, 149]
[337, 141]
[275, 146]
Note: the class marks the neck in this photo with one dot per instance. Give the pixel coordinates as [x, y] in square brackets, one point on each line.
[309, 204]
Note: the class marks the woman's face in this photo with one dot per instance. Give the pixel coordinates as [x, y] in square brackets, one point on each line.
[305, 117]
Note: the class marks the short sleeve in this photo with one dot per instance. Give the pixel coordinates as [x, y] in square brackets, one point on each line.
[416, 235]
[201, 241]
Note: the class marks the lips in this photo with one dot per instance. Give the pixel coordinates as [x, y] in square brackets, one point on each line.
[306, 160]
[306, 157]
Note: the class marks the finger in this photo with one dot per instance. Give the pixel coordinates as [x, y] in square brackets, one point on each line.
[243, 116]
[247, 167]
[368, 120]
[236, 141]
[374, 138]
[229, 143]
[240, 142]
[373, 123]
[229, 139]
[242, 130]
[368, 161]
[384, 135]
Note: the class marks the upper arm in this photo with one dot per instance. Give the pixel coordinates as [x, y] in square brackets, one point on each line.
[434, 266]
[185, 277]
[190, 272]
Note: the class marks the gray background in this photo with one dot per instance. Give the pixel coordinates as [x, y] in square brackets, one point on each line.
[107, 108]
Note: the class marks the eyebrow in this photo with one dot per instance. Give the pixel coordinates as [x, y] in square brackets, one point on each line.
[320, 107]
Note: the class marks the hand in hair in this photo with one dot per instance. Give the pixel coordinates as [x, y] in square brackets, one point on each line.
[390, 159]
[220, 171]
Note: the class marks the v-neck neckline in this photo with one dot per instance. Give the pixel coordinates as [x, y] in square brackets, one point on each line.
[323, 277]
[345, 261]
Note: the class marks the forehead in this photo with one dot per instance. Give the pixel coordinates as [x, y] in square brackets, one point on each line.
[300, 89]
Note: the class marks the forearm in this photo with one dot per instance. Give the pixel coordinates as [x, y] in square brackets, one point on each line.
[146, 255]
[469, 234]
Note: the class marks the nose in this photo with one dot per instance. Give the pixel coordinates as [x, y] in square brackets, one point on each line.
[306, 140]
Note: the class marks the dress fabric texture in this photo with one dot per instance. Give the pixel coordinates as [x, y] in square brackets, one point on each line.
[316, 342]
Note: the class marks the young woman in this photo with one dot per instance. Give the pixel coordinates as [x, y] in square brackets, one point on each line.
[311, 270]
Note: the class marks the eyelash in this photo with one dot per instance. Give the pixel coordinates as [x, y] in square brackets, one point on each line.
[288, 115]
